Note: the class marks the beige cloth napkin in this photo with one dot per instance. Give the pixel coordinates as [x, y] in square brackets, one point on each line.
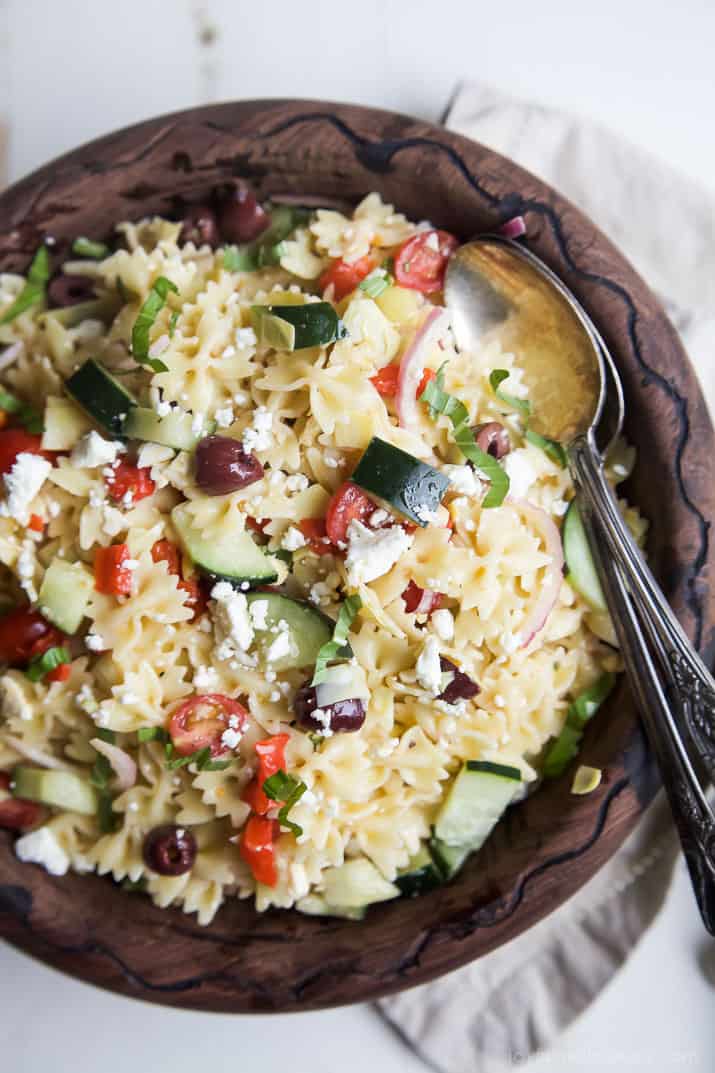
[506, 1006]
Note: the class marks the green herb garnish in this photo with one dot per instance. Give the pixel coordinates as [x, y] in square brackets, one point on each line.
[202, 759]
[38, 667]
[30, 418]
[377, 282]
[289, 790]
[239, 259]
[565, 746]
[34, 290]
[497, 377]
[153, 734]
[331, 649]
[106, 735]
[552, 448]
[440, 402]
[87, 247]
[100, 777]
[154, 303]
[172, 323]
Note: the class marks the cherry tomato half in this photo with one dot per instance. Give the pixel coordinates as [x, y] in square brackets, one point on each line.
[20, 632]
[16, 814]
[347, 504]
[420, 262]
[345, 277]
[201, 720]
[313, 529]
[271, 758]
[257, 848]
[127, 480]
[15, 441]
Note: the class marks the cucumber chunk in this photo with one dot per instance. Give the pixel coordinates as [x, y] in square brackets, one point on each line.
[101, 396]
[175, 430]
[58, 789]
[295, 327]
[475, 802]
[581, 567]
[421, 874]
[448, 859]
[233, 557]
[65, 424]
[309, 629]
[357, 883]
[64, 594]
[315, 906]
[401, 481]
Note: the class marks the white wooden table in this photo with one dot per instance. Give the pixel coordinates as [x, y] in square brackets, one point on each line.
[73, 69]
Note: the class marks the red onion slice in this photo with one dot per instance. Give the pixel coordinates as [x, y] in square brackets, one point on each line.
[413, 364]
[11, 354]
[546, 528]
[122, 763]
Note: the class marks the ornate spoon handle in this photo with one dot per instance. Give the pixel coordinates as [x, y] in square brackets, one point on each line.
[689, 805]
[689, 684]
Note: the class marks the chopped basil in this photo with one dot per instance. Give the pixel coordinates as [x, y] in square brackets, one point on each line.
[565, 746]
[440, 402]
[30, 418]
[154, 303]
[496, 377]
[34, 290]
[153, 734]
[289, 790]
[38, 667]
[552, 448]
[239, 259]
[377, 282]
[202, 759]
[172, 323]
[87, 247]
[106, 735]
[100, 776]
[330, 649]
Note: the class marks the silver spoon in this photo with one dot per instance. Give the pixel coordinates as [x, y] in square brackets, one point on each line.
[494, 286]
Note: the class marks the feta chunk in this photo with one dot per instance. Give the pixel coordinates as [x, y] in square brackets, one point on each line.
[231, 738]
[429, 671]
[281, 646]
[373, 553]
[293, 539]
[463, 479]
[258, 437]
[231, 618]
[520, 471]
[93, 450]
[41, 847]
[443, 623]
[22, 484]
[258, 611]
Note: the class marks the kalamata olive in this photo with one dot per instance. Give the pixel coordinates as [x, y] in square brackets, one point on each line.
[69, 290]
[462, 687]
[170, 850]
[240, 217]
[222, 466]
[200, 226]
[492, 438]
[344, 715]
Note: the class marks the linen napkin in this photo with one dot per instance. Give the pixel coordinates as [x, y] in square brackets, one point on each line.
[496, 1012]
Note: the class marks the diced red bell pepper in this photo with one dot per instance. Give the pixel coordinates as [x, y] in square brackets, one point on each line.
[271, 758]
[110, 576]
[257, 848]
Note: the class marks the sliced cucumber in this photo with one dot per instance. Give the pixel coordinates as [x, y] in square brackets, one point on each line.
[309, 629]
[294, 327]
[581, 567]
[400, 481]
[448, 859]
[357, 883]
[315, 906]
[421, 874]
[175, 430]
[234, 556]
[565, 746]
[58, 789]
[64, 594]
[65, 424]
[342, 681]
[101, 396]
[475, 802]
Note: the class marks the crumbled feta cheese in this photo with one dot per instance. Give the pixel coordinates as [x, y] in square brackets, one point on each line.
[240, 398]
[197, 424]
[257, 437]
[432, 241]
[93, 450]
[559, 507]
[112, 521]
[22, 484]
[443, 623]
[258, 611]
[224, 417]
[228, 352]
[86, 699]
[323, 719]
[153, 454]
[429, 672]
[231, 738]
[205, 677]
[162, 408]
[26, 563]
[331, 462]
[378, 517]
[245, 337]
[41, 847]
[128, 499]
[372, 553]
[297, 482]
[463, 479]
[231, 618]
[95, 642]
[281, 646]
[520, 471]
[426, 514]
[53, 508]
[293, 539]
[509, 642]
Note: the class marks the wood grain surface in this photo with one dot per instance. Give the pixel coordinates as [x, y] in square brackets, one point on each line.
[548, 846]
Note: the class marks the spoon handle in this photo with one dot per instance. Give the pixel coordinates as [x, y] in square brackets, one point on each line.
[689, 684]
[689, 805]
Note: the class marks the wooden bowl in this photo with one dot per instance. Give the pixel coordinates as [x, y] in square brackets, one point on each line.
[547, 847]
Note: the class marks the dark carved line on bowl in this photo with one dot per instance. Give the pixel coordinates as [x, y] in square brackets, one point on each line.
[377, 156]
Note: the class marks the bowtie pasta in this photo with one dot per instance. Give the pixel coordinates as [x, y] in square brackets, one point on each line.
[284, 613]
